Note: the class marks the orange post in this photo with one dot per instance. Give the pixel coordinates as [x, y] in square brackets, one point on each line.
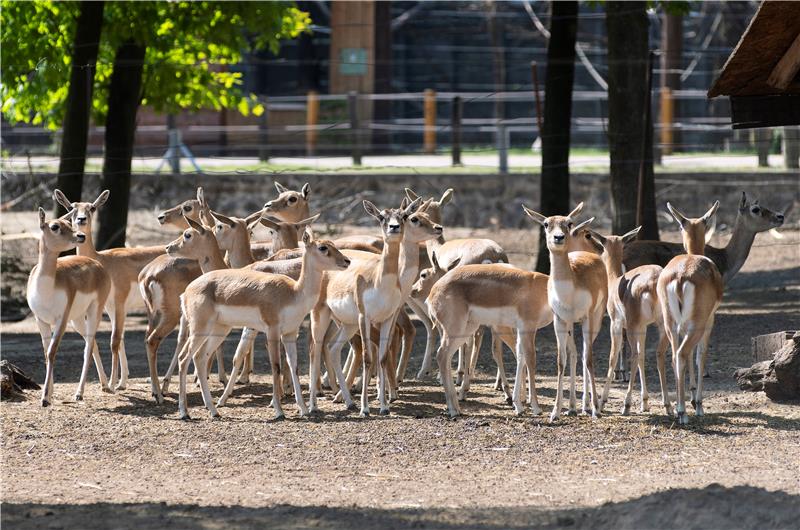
[312, 118]
[667, 117]
[429, 136]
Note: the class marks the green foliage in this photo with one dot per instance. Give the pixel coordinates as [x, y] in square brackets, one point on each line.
[190, 46]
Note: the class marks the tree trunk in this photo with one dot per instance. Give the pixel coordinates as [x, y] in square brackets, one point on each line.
[555, 199]
[79, 102]
[124, 95]
[627, 30]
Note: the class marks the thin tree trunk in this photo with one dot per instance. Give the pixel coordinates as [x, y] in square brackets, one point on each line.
[555, 199]
[124, 96]
[627, 30]
[79, 102]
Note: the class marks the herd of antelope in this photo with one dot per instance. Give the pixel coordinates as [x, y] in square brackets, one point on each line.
[213, 279]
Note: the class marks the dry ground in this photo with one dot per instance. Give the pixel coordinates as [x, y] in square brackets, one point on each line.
[121, 461]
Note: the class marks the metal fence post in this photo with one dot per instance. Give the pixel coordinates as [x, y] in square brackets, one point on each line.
[355, 133]
[455, 130]
[502, 148]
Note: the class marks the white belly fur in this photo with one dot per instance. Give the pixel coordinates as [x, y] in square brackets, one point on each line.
[569, 303]
[239, 316]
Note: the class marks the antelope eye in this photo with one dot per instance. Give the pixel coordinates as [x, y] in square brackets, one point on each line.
[323, 248]
[187, 208]
[756, 209]
[92, 208]
[54, 228]
[423, 275]
[187, 235]
[545, 224]
[415, 220]
[569, 225]
[292, 199]
[219, 228]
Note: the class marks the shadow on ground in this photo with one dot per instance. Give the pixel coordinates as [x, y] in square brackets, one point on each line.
[712, 507]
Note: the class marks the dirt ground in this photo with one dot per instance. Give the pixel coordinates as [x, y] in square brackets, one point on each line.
[121, 461]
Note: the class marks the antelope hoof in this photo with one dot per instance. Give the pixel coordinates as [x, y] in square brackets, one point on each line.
[698, 410]
[45, 403]
[280, 416]
[185, 416]
[214, 415]
[338, 398]
[572, 412]
[352, 406]
[536, 411]
[683, 418]
[243, 380]
[462, 395]
[158, 397]
[668, 410]
[106, 389]
[393, 398]
[78, 397]
[626, 409]
[364, 413]
[554, 416]
[384, 412]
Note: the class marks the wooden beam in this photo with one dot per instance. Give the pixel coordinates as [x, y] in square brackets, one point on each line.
[748, 112]
[787, 67]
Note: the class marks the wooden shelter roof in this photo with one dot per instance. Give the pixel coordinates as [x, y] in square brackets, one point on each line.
[771, 40]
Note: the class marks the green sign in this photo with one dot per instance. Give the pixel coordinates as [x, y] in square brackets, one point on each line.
[353, 61]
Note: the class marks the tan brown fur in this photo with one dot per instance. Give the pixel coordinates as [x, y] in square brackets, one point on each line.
[690, 291]
[70, 289]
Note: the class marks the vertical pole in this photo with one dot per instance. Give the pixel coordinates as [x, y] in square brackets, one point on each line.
[263, 134]
[355, 136]
[429, 109]
[502, 148]
[535, 77]
[647, 122]
[174, 145]
[312, 118]
[667, 115]
[791, 147]
[455, 128]
[763, 137]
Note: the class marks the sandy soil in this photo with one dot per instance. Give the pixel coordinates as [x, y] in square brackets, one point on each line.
[120, 460]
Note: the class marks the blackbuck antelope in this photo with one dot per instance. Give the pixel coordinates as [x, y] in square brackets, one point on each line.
[71, 289]
[194, 209]
[123, 266]
[690, 291]
[632, 306]
[577, 291]
[751, 219]
[468, 251]
[499, 296]
[218, 301]
[368, 293]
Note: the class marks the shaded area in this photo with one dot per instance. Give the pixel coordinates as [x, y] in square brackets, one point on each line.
[714, 506]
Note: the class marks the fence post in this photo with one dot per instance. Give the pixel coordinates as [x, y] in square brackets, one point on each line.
[763, 139]
[312, 118]
[355, 133]
[263, 134]
[667, 116]
[791, 147]
[502, 148]
[455, 130]
[429, 136]
[174, 143]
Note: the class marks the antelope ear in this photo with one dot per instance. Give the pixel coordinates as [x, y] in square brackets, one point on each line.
[446, 196]
[576, 212]
[743, 202]
[536, 216]
[710, 230]
[630, 236]
[404, 203]
[580, 225]
[308, 236]
[222, 218]
[101, 199]
[372, 210]
[253, 218]
[42, 216]
[280, 187]
[308, 221]
[425, 205]
[435, 261]
[410, 194]
[454, 264]
[194, 224]
[710, 213]
[61, 199]
[305, 190]
[201, 198]
[595, 237]
[269, 222]
[412, 207]
[678, 216]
